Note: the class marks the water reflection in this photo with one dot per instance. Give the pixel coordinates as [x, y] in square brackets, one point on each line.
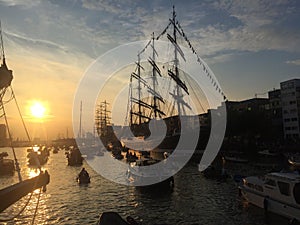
[31, 172]
[194, 199]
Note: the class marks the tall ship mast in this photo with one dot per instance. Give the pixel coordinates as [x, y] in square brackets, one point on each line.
[104, 127]
[160, 90]
[146, 101]
[102, 119]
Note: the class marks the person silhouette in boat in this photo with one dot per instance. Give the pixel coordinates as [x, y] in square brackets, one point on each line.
[83, 173]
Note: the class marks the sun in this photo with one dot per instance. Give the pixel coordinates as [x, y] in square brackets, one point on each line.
[37, 110]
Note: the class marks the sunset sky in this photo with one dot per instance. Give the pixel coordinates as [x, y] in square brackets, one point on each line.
[250, 45]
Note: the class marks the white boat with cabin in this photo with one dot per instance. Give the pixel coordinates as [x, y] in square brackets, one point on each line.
[275, 192]
[138, 175]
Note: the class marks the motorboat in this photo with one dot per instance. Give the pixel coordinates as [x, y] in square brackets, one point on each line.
[277, 192]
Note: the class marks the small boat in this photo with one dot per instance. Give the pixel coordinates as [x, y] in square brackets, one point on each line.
[113, 218]
[131, 157]
[278, 193]
[117, 154]
[74, 157]
[137, 176]
[37, 156]
[83, 177]
[7, 166]
[55, 150]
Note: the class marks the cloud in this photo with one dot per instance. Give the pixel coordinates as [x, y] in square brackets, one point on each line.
[264, 25]
[255, 13]
[294, 62]
[30, 41]
[22, 3]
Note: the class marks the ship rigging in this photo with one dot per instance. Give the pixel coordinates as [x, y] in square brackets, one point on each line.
[11, 194]
[160, 89]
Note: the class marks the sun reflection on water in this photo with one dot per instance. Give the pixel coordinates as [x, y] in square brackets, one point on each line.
[33, 173]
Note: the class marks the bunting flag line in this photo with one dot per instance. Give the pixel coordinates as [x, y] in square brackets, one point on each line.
[179, 29]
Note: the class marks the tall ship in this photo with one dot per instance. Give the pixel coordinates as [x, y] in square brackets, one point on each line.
[163, 96]
[104, 128]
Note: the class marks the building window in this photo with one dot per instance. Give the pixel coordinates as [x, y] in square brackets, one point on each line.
[294, 119]
[287, 120]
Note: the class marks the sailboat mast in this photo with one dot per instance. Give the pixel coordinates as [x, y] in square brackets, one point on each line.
[139, 88]
[154, 78]
[2, 46]
[130, 102]
[176, 59]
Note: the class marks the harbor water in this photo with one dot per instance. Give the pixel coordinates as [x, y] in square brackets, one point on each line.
[194, 199]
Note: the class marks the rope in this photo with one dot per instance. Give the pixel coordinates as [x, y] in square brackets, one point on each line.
[14, 153]
[10, 138]
[36, 207]
[26, 130]
[19, 213]
[2, 93]
[23, 208]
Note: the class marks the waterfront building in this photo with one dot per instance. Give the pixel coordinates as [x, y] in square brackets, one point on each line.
[276, 112]
[253, 104]
[290, 100]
